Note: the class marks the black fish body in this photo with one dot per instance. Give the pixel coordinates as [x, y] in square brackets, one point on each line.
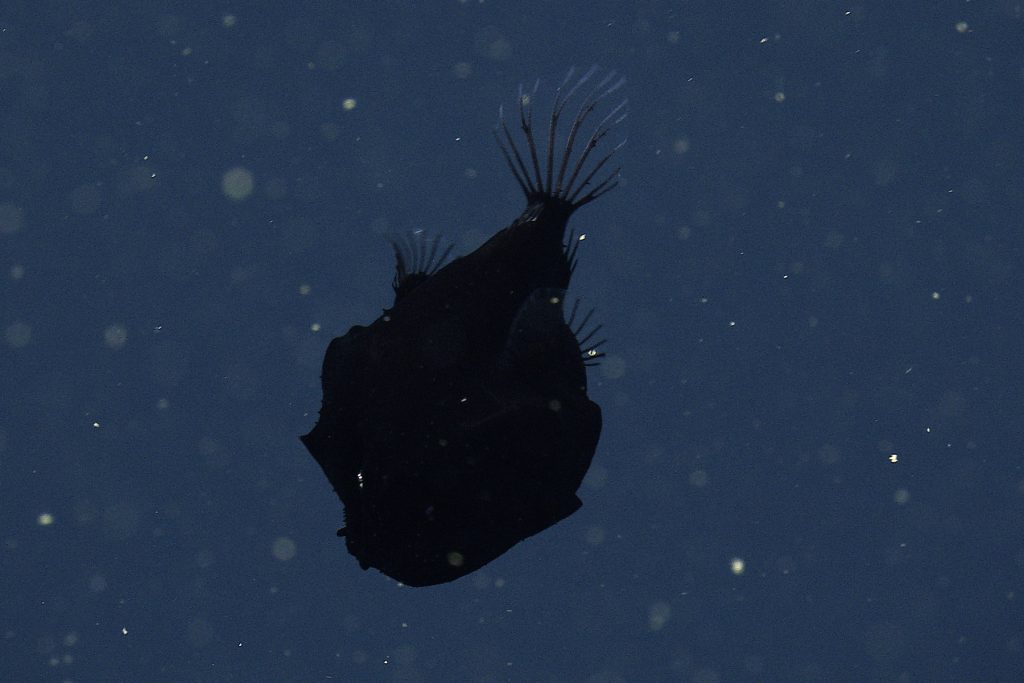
[458, 424]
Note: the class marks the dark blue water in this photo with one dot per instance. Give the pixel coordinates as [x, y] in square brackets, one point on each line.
[811, 467]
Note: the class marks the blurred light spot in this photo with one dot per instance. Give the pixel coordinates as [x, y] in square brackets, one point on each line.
[97, 583]
[596, 477]
[204, 559]
[829, 454]
[330, 131]
[115, 336]
[283, 548]
[737, 566]
[12, 219]
[658, 615]
[785, 565]
[707, 676]
[613, 367]
[699, 478]
[18, 334]
[237, 183]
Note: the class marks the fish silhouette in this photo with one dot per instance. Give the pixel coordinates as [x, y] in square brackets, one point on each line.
[458, 423]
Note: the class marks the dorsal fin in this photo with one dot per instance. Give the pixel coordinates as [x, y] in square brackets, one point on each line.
[564, 176]
[417, 257]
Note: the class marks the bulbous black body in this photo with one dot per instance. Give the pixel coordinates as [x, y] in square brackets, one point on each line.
[458, 424]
